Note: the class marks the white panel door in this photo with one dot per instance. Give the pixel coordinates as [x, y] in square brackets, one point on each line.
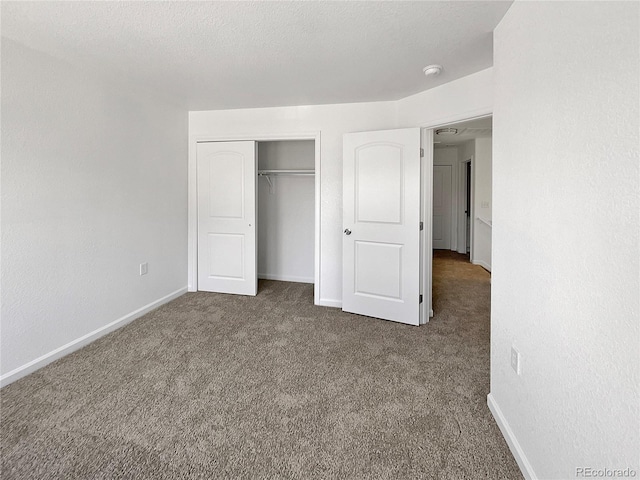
[442, 207]
[226, 179]
[381, 224]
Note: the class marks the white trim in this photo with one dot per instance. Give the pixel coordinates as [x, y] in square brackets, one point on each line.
[192, 232]
[285, 278]
[486, 222]
[192, 218]
[512, 441]
[472, 224]
[460, 117]
[327, 302]
[484, 265]
[317, 249]
[427, 217]
[78, 343]
[462, 216]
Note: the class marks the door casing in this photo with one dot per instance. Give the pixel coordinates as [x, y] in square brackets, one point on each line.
[427, 144]
[462, 217]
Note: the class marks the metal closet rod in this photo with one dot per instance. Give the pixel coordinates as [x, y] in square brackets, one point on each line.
[286, 172]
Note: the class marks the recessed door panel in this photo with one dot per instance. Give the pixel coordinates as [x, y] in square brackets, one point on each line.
[378, 176]
[371, 258]
[437, 186]
[437, 228]
[226, 180]
[226, 256]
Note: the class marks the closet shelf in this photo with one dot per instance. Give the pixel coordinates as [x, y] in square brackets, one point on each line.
[265, 173]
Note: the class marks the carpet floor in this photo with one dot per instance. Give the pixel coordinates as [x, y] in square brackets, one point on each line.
[223, 386]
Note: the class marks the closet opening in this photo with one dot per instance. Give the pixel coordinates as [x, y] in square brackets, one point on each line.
[254, 212]
[286, 199]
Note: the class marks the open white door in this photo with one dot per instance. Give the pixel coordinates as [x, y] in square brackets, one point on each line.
[381, 223]
[226, 179]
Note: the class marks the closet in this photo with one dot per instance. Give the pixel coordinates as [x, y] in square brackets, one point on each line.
[256, 213]
[286, 210]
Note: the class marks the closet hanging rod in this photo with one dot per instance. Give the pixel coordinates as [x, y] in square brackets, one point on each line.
[285, 172]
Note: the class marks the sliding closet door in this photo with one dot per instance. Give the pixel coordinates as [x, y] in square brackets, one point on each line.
[226, 180]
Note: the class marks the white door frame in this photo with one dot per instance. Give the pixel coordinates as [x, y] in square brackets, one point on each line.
[462, 217]
[192, 213]
[426, 239]
[427, 198]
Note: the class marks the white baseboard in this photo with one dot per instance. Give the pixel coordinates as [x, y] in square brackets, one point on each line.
[484, 265]
[514, 446]
[324, 302]
[286, 278]
[78, 343]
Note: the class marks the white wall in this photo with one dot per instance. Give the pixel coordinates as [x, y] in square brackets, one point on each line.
[332, 121]
[286, 212]
[462, 99]
[565, 285]
[481, 245]
[94, 182]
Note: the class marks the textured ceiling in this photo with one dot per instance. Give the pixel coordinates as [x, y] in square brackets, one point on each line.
[214, 55]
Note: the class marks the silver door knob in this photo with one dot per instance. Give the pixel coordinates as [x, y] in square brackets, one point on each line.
[347, 231]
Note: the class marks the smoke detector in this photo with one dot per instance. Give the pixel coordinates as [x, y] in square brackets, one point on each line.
[432, 70]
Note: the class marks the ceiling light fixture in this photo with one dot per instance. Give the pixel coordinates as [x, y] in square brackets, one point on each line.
[432, 70]
[447, 131]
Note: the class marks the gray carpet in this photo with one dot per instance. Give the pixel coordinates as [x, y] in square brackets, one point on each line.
[221, 386]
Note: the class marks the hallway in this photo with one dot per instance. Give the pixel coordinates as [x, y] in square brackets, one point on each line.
[461, 289]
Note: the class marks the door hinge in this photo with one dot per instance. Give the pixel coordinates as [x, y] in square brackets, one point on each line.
[421, 152]
[421, 298]
[421, 226]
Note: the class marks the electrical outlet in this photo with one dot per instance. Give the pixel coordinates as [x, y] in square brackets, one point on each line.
[144, 268]
[515, 360]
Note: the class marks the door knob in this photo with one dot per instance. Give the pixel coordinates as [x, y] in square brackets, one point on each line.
[347, 231]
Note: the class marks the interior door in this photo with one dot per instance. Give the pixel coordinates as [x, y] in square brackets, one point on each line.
[381, 224]
[442, 207]
[226, 182]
